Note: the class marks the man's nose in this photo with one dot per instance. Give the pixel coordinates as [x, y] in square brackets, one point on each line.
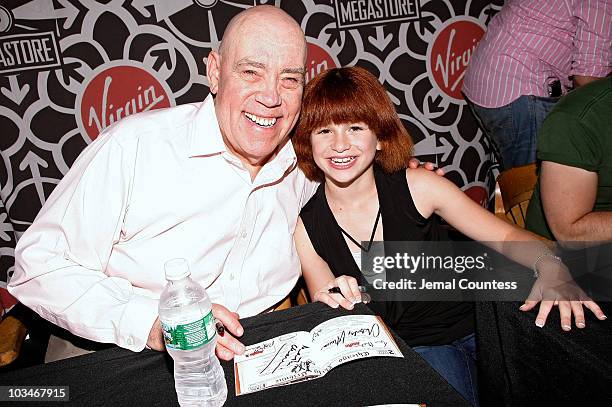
[269, 94]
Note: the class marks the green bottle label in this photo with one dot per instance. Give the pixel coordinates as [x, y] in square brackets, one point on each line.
[190, 335]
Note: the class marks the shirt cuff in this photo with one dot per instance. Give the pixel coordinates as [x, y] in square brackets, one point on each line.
[136, 323]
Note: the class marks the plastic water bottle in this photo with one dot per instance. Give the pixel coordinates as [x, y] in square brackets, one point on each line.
[185, 313]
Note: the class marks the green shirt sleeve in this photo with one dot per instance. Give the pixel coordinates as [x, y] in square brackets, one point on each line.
[564, 139]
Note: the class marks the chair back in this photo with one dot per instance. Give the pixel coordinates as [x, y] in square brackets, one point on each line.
[516, 186]
[297, 296]
[12, 334]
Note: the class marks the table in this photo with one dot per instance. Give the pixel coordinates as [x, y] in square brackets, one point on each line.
[118, 377]
[523, 365]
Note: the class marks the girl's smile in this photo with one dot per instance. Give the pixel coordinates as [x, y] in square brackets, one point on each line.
[344, 151]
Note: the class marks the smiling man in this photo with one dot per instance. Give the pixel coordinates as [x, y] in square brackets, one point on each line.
[214, 182]
[257, 77]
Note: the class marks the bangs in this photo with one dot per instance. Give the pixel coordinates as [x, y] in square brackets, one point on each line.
[339, 98]
[350, 95]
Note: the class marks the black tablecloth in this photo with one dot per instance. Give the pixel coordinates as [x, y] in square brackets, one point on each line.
[523, 365]
[118, 377]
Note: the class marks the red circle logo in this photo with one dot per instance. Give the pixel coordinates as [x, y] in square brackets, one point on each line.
[119, 91]
[450, 52]
[478, 194]
[317, 61]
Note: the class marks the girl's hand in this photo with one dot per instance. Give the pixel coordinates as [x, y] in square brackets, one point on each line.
[347, 298]
[557, 288]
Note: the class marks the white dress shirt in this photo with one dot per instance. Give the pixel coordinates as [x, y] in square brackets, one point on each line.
[156, 186]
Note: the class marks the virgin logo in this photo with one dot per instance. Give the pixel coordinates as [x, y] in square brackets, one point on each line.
[450, 52]
[116, 92]
[317, 61]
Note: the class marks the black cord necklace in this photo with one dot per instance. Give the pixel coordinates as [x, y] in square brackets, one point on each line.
[371, 237]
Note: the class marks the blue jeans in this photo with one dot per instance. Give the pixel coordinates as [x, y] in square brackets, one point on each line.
[455, 362]
[514, 128]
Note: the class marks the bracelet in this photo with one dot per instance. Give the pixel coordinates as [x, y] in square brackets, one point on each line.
[536, 274]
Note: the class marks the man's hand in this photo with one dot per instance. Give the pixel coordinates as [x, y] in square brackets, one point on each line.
[227, 345]
[156, 337]
[414, 163]
[580, 80]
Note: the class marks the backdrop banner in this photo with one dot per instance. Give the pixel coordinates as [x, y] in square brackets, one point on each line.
[69, 69]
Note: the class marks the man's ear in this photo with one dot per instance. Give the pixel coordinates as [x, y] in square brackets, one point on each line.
[213, 66]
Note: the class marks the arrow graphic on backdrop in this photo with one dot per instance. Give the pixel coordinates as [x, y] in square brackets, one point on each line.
[44, 10]
[70, 71]
[162, 58]
[34, 161]
[425, 24]
[381, 41]
[490, 12]
[4, 228]
[68, 11]
[214, 40]
[334, 37]
[435, 106]
[445, 149]
[428, 146]
[15, 92]
[163, 9]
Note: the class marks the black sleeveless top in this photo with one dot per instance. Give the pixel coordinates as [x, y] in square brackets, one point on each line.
[418, 322]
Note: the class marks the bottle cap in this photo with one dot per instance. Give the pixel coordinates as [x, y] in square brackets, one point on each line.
[176, 269]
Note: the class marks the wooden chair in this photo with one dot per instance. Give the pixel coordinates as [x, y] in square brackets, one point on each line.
[15, 325]
[500, 212]
[516, 186]
[12, 335]
[297, 296]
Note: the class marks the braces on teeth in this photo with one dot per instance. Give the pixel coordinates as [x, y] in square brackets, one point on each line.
[343, 160]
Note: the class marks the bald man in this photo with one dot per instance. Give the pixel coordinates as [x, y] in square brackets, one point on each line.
[212, 182]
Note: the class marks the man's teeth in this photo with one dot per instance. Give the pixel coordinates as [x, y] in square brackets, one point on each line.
[342, 160]
[262, 121]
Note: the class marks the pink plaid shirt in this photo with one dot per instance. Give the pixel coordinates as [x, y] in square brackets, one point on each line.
[530, 43]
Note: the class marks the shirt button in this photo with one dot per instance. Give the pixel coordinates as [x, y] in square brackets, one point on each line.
[130, 341]
[231, 277]
[244, 234]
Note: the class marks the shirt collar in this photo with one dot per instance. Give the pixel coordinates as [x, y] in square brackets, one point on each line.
[206, 136]
[206, 140]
